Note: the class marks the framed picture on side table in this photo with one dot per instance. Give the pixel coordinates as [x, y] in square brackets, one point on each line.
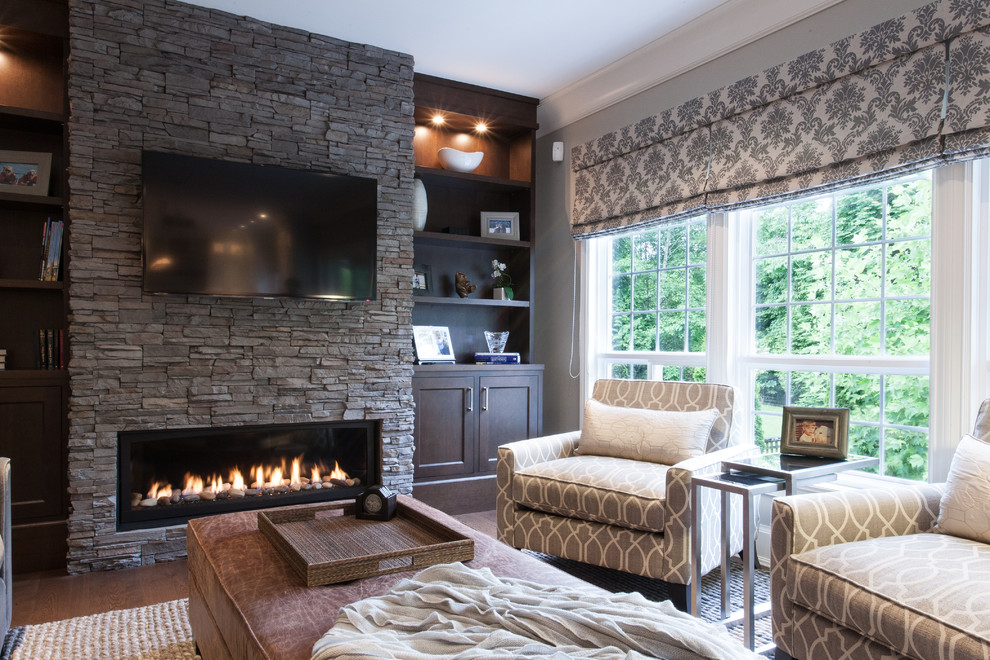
[500, 225]
[25, 172]
[433, 344]
[815, 431]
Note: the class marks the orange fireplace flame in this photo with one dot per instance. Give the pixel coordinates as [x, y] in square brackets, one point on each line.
[158, 489]
[265, 477]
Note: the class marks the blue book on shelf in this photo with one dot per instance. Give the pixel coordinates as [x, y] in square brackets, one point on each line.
[496, 358]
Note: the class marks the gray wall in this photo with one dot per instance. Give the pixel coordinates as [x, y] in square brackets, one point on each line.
[166, 76]
[563, 397]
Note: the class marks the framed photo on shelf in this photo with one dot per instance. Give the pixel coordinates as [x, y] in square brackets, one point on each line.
[815, 431]
[25, 172]
[422, 280]
[433, 344]
[500, 225]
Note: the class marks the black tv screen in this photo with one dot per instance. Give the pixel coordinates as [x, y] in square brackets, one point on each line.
[234, 229]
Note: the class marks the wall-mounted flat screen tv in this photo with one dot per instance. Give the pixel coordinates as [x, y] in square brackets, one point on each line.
[234, 229]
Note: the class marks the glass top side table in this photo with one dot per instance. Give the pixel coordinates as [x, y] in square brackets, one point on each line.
[798, 471]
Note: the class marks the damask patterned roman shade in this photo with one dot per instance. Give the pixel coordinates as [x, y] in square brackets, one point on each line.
[911, 92]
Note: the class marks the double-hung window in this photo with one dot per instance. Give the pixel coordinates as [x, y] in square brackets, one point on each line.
[652, 301]
[839, 297]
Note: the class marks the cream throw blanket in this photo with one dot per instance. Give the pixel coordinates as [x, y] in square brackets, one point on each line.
[451, 611]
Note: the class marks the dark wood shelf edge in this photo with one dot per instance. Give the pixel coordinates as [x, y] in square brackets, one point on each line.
[55, 118]
[427, 173]
[34, 376]
[436, 238]
[14, 283]
[53, 201]
[474, 368]
[482, 302]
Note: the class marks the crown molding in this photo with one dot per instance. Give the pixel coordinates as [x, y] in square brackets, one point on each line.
[716, 33]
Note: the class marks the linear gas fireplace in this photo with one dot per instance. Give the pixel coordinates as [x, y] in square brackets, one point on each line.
[167, 477]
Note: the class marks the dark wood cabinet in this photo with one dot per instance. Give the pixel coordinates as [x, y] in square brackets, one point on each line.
[446, 416]
[32, 435]
[463, 411]
[463, 414]
[510, 409]
[33, 398]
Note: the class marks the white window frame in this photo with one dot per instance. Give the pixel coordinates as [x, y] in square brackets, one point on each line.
[959, 360]
[598, 346]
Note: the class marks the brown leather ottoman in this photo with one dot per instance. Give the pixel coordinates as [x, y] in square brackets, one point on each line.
[246, 603]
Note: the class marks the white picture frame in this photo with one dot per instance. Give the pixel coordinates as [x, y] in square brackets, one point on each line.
[500, 225]
[433, 344]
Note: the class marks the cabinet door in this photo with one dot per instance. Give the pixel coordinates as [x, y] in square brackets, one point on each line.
[444, 432]
[510, 410]
[31, 436]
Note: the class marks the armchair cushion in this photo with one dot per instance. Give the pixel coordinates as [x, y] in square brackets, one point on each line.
[911, 593]
[965, 507]
[613, 491]
[641, 434]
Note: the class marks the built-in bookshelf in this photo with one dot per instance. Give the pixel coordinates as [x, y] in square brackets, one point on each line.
[34, 233]
[465, 410]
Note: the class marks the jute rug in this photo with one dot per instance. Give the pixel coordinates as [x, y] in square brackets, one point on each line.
[162, 632]
[154, 632]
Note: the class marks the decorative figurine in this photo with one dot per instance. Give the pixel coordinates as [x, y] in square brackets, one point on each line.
[463, 285]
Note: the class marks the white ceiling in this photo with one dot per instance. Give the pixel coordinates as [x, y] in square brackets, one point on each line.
[576, 56]
[530, 47]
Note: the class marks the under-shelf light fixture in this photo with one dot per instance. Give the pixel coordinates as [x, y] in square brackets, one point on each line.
[438, 120]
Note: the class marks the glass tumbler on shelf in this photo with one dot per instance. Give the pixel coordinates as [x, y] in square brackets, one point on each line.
[496, 341]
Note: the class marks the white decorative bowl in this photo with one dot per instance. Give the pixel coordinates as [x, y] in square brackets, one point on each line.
[460, 161]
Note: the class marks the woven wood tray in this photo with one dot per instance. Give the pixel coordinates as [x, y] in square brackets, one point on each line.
[327, 544]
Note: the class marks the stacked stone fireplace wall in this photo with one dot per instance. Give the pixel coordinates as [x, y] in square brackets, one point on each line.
[166, 76]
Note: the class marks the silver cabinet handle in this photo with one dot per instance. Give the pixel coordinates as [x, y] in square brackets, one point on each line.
[484, 398]
[470, 395]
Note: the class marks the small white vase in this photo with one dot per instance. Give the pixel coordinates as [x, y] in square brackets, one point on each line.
[502, 293]
[420, 207]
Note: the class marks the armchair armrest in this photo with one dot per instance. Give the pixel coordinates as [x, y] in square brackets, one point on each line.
[524, 453]
[521, 454]
[813, 520]
[677, 521]
[804, 522]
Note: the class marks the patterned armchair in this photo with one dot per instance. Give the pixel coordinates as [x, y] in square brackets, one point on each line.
[867, 575]
[629, 515]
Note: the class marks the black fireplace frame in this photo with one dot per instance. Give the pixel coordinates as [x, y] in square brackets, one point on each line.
[167, 516]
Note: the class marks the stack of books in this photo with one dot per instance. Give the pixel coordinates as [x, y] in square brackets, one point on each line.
[496, 358]
[49, 349]
[51, 250]
[3, 358]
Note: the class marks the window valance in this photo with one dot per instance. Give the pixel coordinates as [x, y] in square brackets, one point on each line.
[908, 93]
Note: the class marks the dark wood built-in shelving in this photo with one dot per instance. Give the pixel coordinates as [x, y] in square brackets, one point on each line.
[33, 400]
[464, 411]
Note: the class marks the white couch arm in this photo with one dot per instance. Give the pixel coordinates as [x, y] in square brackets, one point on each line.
[521, 454]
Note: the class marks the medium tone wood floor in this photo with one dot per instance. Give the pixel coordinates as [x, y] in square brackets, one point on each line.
[53, 595]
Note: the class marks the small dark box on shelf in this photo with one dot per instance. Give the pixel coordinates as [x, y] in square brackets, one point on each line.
[460, 231]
